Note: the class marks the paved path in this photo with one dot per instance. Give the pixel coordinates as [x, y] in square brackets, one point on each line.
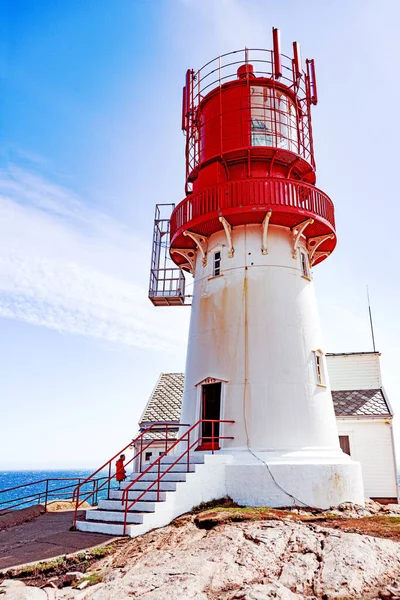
[44, 538]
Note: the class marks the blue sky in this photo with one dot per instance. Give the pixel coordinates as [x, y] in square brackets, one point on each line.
[90, 142]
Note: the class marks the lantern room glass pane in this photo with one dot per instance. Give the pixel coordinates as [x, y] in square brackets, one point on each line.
[273, 119]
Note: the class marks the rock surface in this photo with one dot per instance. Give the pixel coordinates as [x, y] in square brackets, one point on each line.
[251, 560]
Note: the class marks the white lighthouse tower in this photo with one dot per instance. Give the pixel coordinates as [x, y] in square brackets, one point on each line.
[251, 227]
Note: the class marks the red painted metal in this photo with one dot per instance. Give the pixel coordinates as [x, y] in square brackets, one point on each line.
[157, 463]
[297, 61]
[43, 496]
[249, 146]
[313, 81]
[248, 201]
[184, 106]
[107, 480]
[277, 53]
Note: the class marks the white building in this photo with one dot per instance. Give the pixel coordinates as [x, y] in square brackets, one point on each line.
[363, 416]
[365, 420]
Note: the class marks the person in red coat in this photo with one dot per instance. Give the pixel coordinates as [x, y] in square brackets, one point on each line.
[120, 473]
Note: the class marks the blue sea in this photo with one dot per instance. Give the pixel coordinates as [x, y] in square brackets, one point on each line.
[59, 484]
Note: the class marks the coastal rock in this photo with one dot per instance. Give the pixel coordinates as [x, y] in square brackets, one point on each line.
[16, 590]
[251, 561]
[72, 576]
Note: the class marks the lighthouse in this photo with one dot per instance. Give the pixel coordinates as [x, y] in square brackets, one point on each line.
[250, 229]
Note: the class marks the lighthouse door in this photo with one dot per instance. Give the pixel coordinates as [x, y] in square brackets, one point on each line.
[211, 411]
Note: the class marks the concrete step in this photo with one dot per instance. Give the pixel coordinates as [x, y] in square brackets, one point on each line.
[178, 468]
[117, 505]
[101, 527]
[165, 486]
[148, 496]
[196, 458]
[113, 516]
[153, 476]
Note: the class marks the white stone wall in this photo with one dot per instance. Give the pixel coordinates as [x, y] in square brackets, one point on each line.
[354, 371]
[255, 328]
[371, 444]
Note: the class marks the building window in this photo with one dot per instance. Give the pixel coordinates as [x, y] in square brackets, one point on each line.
[319, 367]
[344, 442]
[148, 455]
[217, 264]
[305, 266]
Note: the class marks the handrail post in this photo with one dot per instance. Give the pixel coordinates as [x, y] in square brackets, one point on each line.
[76, 507]
[212, 437]
[109, 480]
[141, 454]
[46, 495]
[158, 478]
[188, 452]
[166, 438]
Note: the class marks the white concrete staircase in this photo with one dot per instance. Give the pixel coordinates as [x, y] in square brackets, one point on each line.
[180, 490]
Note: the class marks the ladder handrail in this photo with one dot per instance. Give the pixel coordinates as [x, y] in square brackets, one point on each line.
[185, 437]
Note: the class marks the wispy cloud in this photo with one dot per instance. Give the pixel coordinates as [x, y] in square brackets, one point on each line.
[67, 266]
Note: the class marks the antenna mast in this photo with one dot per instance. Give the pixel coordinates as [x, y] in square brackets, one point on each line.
[370, 320]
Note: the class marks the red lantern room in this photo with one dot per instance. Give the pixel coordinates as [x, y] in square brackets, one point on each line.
[249, 150]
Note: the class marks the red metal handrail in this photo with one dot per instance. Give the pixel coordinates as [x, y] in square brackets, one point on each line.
[152, 427]
[160, 475]
[284, 194]
[43, 494]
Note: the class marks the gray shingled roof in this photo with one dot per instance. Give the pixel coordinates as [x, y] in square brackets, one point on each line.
[160, 434]
[360, 403]
[166, 400]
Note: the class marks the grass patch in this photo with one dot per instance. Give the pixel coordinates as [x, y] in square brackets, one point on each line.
[38, 573]
[381, 526]
[101, 551]
[92, 579]
[41, 567]
[220, 503]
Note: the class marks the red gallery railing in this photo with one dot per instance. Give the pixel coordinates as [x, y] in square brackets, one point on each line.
[156, 465]
[237, 196]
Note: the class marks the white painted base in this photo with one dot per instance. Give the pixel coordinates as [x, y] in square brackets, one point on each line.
[265, 480]
[310, 477]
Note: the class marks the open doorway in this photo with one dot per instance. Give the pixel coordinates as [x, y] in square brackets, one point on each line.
[211, 409]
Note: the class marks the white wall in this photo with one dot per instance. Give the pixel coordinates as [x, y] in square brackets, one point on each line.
[354, 371]
[255, 328]
[371, 444]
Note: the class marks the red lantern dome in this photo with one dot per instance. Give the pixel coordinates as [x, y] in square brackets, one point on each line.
[249, 149]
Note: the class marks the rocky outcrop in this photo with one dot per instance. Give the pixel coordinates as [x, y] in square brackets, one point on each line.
[274, 557]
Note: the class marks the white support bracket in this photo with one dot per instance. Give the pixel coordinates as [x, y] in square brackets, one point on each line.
[315, 242]
[190, 258]
[299, 229]
[264, 225]
[201, 243]
[228, 229]
[318, 255]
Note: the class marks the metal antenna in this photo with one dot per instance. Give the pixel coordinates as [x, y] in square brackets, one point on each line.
[370, 320]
